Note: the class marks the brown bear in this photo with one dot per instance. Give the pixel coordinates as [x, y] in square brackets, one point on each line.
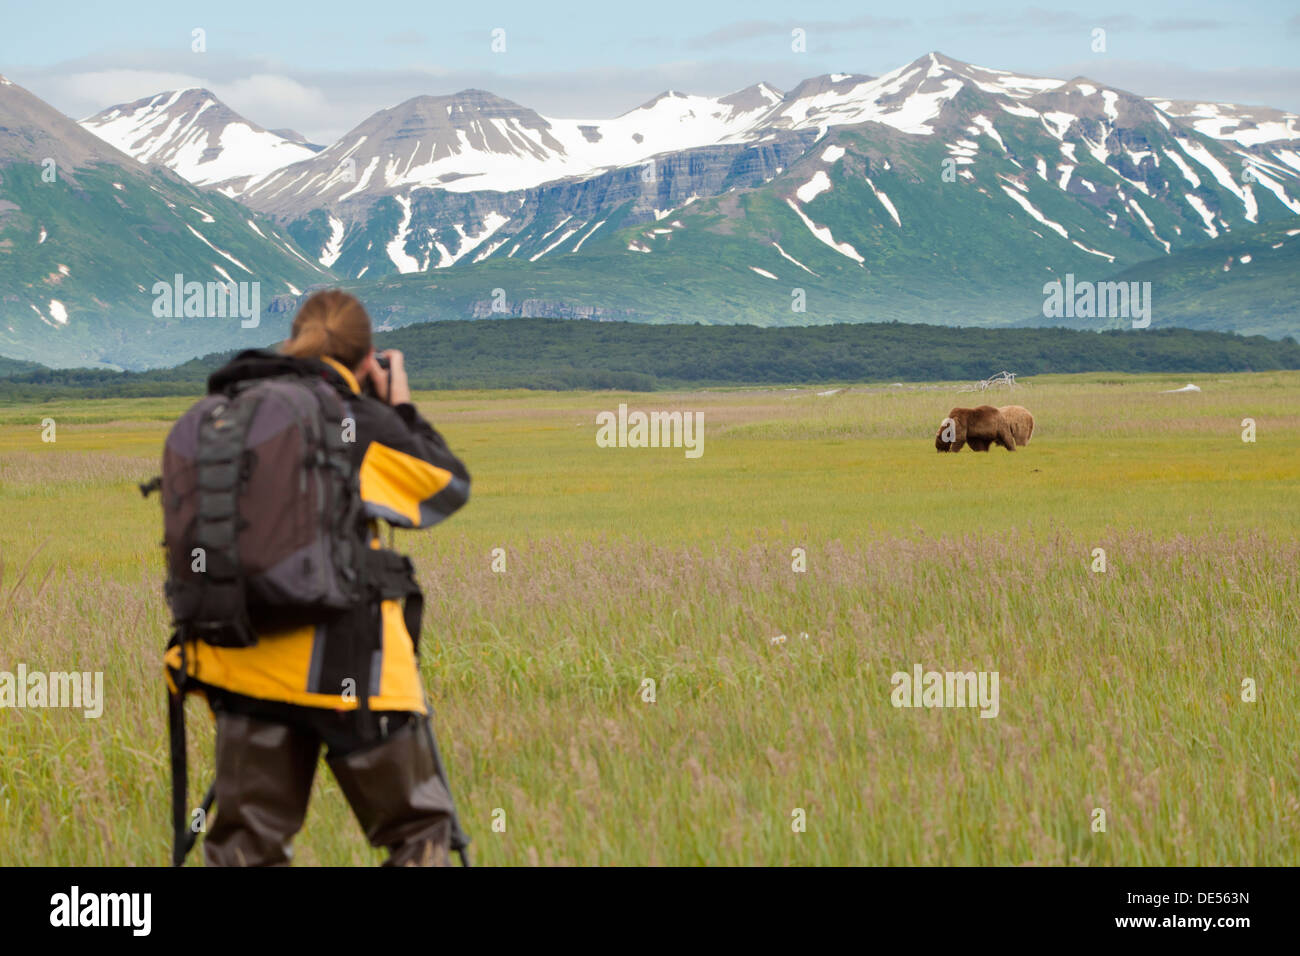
[980, 428]
[1021, 422]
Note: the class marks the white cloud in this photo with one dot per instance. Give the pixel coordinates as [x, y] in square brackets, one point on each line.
[280, 101]
[84, 94]
[325, 105]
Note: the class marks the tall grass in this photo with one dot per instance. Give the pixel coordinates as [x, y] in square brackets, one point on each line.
[1120, 691]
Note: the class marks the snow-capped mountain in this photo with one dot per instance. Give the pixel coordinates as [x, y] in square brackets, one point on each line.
[1247, 125]
[939, 192]
[474, 141]
[437, 182]
[196, 136]
[86, 232]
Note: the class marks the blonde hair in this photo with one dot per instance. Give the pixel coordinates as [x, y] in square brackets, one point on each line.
[331, 323]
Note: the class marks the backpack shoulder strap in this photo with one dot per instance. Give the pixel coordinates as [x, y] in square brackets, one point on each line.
[223, 439]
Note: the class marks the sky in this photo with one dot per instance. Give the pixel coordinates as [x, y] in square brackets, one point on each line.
[323, 67]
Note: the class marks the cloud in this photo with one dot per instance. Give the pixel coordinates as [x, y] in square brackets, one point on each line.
[1037, 20]
[324, 105]
[265, 95]
[1187, 25]
[407, 38]
[743, 30]
[737, 33]
[94, 90]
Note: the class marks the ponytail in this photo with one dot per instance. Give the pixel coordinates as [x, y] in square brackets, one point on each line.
[331, 323]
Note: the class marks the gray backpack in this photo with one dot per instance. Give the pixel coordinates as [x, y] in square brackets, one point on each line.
[261, 506]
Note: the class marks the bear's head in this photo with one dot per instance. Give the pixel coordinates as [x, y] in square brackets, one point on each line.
[946, 436]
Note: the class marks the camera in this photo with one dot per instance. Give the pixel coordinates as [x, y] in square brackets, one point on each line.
[369, 387]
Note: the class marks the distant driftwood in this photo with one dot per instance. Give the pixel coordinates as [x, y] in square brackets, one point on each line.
[1002, 378]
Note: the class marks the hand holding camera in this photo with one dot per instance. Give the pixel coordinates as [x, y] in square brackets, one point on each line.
[385, 377]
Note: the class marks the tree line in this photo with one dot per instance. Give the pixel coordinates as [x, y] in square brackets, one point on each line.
[571, 354]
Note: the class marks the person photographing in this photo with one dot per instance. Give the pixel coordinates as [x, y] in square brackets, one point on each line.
[291, 664]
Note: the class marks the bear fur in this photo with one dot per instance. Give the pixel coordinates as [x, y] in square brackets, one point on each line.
[1021, 422]
[980, 427]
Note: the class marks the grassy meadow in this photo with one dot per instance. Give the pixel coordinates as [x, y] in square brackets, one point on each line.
[1119, 691]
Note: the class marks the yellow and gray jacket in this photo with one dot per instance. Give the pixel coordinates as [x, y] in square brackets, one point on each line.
[364, 657]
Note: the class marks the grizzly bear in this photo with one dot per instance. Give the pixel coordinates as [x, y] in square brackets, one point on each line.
[979, 427]
[1021, 422]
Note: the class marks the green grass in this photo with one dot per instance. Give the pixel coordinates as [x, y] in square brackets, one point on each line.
[1119, 691]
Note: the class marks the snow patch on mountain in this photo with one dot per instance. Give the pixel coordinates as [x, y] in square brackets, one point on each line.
[1221, 175]
[1096, 252]
[546, 234]
[220, 252]
[396, 249]
[333, 245]
[491, 223]
[1146, 220]
[1109, 99]
[557, 242]
[1188, 173]
[365, 178]
[1244, 125]
[1204, 212]
[1016, 109]
[823, 234]
[885, 201]
[589, 233]
[1289, 157]
[985, 125]
[1030, 208]
[493, 247]
[810, 190]
[794, 260]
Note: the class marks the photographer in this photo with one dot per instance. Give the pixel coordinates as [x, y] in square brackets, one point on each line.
[351, 682]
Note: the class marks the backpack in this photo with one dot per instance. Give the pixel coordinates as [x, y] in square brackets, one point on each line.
[262, 515]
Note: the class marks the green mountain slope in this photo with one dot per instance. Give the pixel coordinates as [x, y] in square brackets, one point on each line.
[1245, 280]
[959, 252]
[86, 232]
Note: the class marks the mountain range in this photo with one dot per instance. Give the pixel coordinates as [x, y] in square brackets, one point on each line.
[939, 192]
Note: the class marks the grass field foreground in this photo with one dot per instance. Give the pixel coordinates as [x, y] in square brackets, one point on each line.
[1120, 691]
